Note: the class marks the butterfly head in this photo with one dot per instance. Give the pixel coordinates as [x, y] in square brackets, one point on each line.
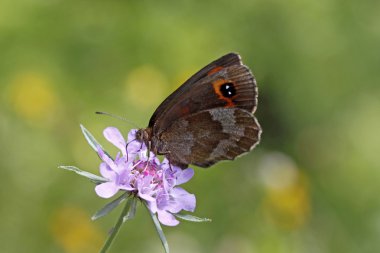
[144, 135]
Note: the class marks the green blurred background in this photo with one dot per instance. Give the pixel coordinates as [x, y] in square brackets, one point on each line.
[312, 185]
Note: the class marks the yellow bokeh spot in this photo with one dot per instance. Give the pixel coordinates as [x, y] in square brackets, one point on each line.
[146, 86]
[286, 201]
[74, 232]
[290, 207]
[32, 96]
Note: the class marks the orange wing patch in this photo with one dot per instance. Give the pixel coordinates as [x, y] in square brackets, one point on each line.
[214, 70]
[185, 110]
[217, 89]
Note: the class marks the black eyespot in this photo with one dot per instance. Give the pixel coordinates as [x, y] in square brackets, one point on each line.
[228, 90]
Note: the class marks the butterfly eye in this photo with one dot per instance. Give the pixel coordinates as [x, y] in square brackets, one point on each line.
[228, 90]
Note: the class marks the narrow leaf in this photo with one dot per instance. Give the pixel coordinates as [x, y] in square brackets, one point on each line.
[94, 178]
[192, 218]
[92, 141]
[159, 229]
[90, 138]
[132, 210]
[110, 206]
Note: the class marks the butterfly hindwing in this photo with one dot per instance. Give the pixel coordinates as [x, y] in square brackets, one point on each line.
[208, 136]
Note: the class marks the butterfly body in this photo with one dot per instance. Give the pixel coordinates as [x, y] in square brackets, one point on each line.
[207, 119]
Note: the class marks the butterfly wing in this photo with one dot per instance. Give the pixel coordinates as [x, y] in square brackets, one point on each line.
[224, 83]
[227, 60]
[208, 136]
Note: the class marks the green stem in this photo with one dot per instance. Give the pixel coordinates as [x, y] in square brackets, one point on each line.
[116, 229]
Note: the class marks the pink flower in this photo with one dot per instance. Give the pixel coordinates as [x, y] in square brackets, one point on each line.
[140, 172]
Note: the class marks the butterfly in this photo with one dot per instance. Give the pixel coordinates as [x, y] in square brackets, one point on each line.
[207, 119]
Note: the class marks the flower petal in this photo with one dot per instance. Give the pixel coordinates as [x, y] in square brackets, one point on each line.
[185, 176]
[184, 199]
[163, 200]
[132, 135]
[152, 206]
[122, 165]
[106, 159]
[126, 187]
[113, 135]
[147, 197]
[167, 218]
[106, 190]
[107, 172]
[133, 147]
[165, 164]
[145, 188]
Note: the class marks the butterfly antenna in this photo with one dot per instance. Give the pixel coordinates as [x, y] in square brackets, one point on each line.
[118, 117]
[126, 146]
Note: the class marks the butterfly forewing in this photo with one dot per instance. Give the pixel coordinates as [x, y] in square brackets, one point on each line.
[232, 86]
[227, 60]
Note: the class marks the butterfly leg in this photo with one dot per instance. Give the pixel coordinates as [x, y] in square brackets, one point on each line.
[149, 147]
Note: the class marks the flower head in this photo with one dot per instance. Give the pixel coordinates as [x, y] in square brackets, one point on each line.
[139, 171]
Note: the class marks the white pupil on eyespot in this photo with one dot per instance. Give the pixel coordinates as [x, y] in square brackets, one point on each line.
[228, 91]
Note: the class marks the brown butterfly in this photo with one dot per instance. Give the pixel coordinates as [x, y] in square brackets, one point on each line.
[207, 119]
